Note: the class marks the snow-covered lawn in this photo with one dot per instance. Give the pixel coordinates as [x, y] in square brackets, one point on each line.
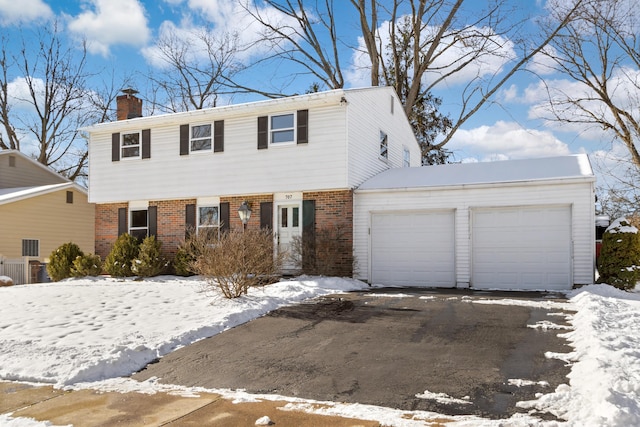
[89, 333]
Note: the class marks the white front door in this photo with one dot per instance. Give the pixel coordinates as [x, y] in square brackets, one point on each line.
[289, 227]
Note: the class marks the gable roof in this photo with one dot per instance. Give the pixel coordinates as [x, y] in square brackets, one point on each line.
[574, 167]
[55, 175]
[10, 195]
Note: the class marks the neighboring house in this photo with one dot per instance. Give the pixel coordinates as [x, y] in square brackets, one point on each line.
[295, 161]
[519, 224]
[40, 210]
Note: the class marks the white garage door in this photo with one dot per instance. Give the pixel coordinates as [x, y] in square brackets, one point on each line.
[413, 249]
[525, 248]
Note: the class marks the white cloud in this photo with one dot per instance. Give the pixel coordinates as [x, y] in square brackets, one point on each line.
[105, 23]
[505, 140]
[14, 12]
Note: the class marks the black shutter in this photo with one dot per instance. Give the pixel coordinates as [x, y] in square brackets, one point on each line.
[122, 221]
[263, 132]
[266, 215]
[146, 143]
[184, 140]
[115, 147]
[218, 136]
[189, 220]
[224, 217]
[308, 235]
[152, 215]
[303, 127]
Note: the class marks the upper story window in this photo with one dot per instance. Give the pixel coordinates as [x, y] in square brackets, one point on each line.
[200, 138]
[130, 145]
[281, 128]
[384, 145]
[406, 157]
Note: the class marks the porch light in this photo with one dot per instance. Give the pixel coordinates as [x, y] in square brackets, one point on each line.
[244, 212]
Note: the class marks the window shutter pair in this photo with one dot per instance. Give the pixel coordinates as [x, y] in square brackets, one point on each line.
[146, 145]
[190, 218]
[302, 129]
[152, 216]
[218, 138]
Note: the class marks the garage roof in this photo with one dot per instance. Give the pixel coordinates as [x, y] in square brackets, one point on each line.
[506, 171]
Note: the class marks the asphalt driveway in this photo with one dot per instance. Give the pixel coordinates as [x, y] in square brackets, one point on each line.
[384, 347]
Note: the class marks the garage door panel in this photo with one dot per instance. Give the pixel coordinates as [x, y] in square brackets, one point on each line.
[413, 248]
[522, 248]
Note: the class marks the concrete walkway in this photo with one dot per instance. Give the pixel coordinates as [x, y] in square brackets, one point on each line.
[90, 408]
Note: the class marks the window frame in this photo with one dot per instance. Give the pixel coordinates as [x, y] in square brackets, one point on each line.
[25, 243]
[216, 226]
[139, 145]
[293, 129]
[406, 157]
[132, 228]
[383, 145]
[192, 139]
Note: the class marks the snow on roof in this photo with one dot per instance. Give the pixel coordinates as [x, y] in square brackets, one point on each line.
[8, 195]
[459, 174]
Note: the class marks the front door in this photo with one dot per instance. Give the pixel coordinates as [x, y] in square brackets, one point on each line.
[289, 227]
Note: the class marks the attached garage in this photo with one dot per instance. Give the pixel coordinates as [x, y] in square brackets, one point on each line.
[413, 248]
[510, 225]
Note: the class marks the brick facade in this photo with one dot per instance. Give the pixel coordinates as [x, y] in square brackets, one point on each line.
[333, 209]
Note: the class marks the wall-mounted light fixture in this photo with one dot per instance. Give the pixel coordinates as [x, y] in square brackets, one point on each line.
[244, 212]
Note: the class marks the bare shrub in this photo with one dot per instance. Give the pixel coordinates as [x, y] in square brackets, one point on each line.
[329, 254]
[237, 261]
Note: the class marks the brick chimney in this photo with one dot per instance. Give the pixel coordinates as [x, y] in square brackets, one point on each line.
[128, 105]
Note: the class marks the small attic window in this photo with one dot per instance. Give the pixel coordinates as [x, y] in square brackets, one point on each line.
[392, 104]
[70, 197]
[12, 161]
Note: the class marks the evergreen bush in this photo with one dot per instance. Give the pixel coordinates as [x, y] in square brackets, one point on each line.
[61, 260]
[149, 261]
[87, 265]
[619, 261]
[118, 262]
[184, 259]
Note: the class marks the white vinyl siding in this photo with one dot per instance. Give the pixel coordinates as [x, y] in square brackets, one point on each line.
[241, 169]
[578, 195]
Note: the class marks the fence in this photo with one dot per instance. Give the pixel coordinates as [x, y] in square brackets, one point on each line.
[20, 270]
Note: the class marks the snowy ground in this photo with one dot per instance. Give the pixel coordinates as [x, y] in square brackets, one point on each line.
[90, 333]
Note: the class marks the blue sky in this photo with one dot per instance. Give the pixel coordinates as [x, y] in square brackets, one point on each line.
[121, 36]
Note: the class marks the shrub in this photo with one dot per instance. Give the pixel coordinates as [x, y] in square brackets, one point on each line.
[118, 262]
[619, 261]
[148, 262]
[184, 259]
[86, 265]
[238, 261]
[329, 254]
[61, 260]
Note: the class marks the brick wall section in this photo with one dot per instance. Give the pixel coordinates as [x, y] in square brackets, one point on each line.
[335, 209]
[254, 201]
[171, 224]
[107, 227]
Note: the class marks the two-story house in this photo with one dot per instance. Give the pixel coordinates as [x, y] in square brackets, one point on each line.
[39, 211]
[295, 161]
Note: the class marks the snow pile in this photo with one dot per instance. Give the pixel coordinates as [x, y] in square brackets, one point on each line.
[92, 329]
[605, 374]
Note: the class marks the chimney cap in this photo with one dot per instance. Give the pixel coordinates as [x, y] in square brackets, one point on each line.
[129, 91]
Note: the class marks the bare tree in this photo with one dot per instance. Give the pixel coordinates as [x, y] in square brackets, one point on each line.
[414, 46]
[599, 51]
[42, 94]
[196, 68]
